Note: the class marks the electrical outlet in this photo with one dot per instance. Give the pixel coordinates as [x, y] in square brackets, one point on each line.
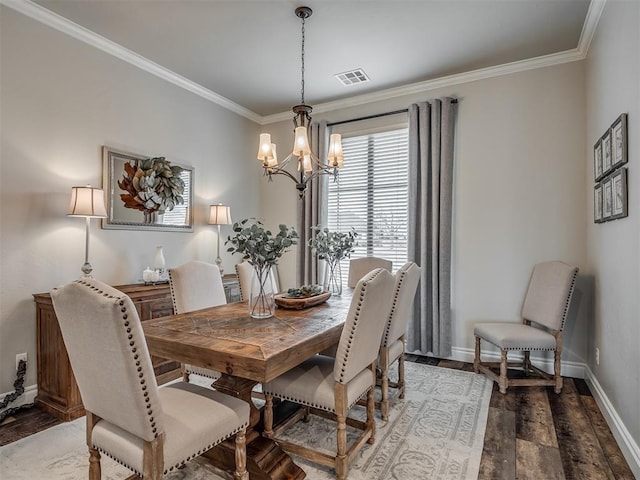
[20, 356]
[597, 356]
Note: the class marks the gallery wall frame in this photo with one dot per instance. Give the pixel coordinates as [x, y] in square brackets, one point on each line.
[124, 211]
[619, 199]
[619, 154]
[597, 204]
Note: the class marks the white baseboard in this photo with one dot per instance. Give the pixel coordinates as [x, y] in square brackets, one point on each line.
[627, 444]
[28, 396]
[569, 369]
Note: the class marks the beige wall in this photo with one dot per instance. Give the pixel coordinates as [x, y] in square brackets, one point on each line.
[61, 101]
[612, 87]
[518, 191]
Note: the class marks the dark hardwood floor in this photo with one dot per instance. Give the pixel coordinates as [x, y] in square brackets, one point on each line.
[532, 433]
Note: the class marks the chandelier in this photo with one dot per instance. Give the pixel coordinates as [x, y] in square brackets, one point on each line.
[309, 166]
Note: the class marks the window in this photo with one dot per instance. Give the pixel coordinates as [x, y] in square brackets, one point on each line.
[179, 214]
[371, 195]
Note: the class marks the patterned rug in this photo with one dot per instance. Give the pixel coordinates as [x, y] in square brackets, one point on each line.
[436, 433]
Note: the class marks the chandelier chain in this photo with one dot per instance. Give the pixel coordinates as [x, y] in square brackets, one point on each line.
[302, 63]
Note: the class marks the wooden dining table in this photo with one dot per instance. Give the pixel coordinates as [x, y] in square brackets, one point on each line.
[248, 351]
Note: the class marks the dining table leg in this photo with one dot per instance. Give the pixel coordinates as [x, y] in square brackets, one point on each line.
[265, 459]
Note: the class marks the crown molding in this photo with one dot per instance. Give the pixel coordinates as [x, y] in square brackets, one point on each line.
[53, 20]
[450, 80]
[590, 23]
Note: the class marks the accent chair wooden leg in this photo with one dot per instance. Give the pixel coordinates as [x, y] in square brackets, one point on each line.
[556, 371]
[307, 415]
[153, 458]
[401, 384]
[185, 374]
[95, 472]
[268, 415]
[340, 395]
[503, 372]
[384, 383]
[476, 359]
[241, 457]
[526, 362]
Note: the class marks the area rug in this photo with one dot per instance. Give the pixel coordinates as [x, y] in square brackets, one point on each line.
[435, 433]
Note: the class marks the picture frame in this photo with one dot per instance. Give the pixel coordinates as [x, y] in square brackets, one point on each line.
[597, 204]
[607, 199]
[606, 153]
[126, 211]
[619, 201]
[619, 141]
[597, 160]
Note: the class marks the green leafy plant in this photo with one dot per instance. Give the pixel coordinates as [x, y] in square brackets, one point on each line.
[304, 291]
[332, 246]
[258, 245]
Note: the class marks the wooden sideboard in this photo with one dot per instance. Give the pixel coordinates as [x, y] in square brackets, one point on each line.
[58, 392]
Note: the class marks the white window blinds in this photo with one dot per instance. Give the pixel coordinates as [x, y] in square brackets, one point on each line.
[371, 195]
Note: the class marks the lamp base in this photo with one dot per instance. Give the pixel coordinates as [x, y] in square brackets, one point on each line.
[219, 264]
[87, 269]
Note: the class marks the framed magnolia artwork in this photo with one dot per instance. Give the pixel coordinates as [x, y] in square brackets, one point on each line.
[145, 193]
[606, 153]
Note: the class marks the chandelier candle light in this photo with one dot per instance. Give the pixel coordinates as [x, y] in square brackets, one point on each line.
[219, 215]
[87, 202]
[309, 166]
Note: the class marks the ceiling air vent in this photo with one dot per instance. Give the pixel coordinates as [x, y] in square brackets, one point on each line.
[352, 77]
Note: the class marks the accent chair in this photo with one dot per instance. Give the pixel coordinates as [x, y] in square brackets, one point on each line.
[196, 285]
[544, 313]
[393, 338]
[359, 267]
[149, 430]
[332, 386]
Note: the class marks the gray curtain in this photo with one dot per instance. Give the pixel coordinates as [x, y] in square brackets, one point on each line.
[431, 151]
[312, 210]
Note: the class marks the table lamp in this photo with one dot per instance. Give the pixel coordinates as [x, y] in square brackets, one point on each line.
[219, 215]
[87, 202]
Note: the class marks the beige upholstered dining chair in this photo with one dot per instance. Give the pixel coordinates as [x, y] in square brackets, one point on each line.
[149, 430]
[544, 312]
[392, 346]
[244, 271]
[196, 285]
[331, 386]
[359, 267]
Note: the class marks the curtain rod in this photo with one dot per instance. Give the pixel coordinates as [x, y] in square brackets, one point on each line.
[405, 110]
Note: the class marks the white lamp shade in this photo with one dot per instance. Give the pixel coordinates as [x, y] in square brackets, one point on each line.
[307, 166]
[301, 142]
[335, 155]
[87, 202]
[220, 215]
[273, 162]
[265, 152]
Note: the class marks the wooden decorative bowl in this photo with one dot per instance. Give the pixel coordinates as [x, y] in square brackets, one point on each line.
[298, 303]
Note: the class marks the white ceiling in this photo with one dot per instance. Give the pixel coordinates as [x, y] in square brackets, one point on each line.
[249, 51]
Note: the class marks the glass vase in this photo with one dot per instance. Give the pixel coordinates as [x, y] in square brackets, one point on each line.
[332, 280]
[261, 297]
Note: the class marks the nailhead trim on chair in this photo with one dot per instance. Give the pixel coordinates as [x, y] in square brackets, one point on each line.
[353, 327]
[145, 394]
[132, 344]
[173, 297]
[568, 302]
[396, 294]
[314, 405]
